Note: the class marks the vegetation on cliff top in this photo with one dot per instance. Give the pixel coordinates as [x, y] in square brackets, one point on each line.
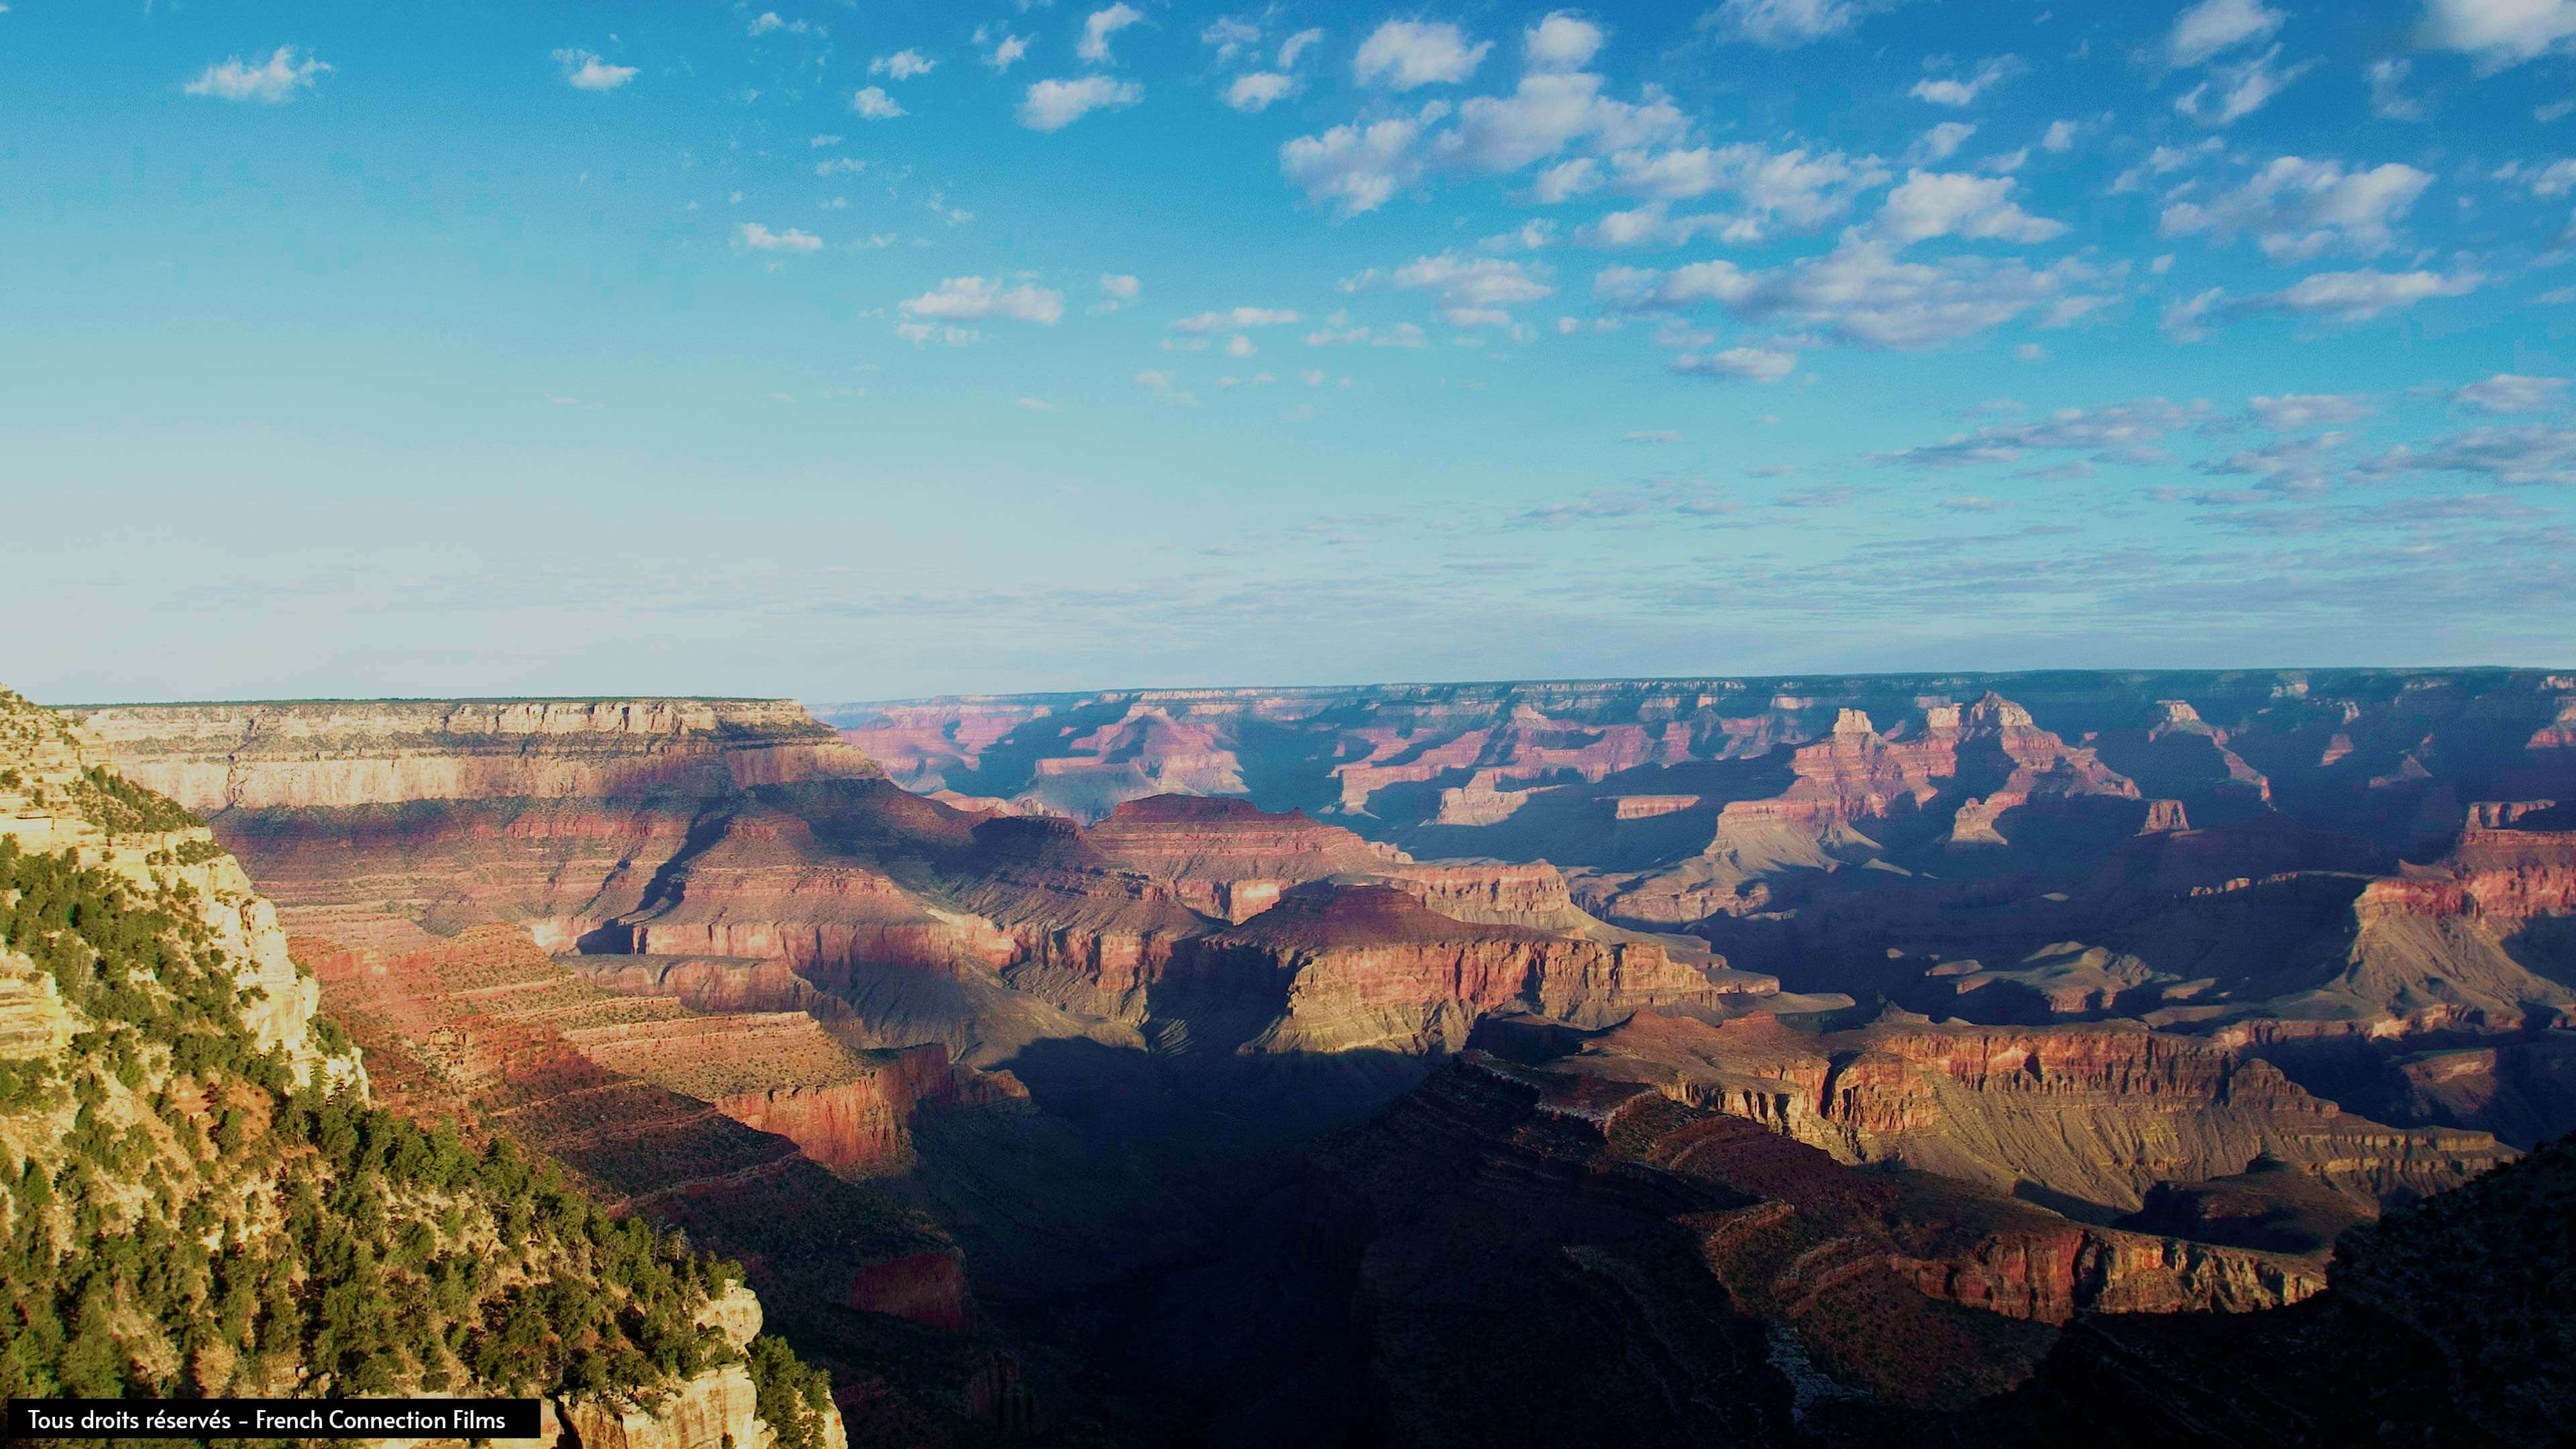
[182, 1213]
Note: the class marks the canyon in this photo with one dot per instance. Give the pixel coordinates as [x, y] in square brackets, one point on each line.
[1844, 1046]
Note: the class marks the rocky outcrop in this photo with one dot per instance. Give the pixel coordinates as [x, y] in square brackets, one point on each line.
[2089, 1118]
[355, 753]
[1226, 858]
[1652, 1239]
[58, 795]
[717, 1409]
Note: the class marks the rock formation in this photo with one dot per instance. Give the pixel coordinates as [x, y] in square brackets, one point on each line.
[2087, 1119]
[167, 1086]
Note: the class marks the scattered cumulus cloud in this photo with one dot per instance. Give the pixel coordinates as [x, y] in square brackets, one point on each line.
[1403, 54]
[752, 236]
[1052, 105]
[973, 299]
[2516, 454]
[1471, 291]
[1001, 49]
[2297, 209]
[1964, 90]
[1235, 319]
[2389, 98]
[1787, 24]
[873, 104]
[1861, 293]
[1253, 92]
[585, 71]
[1941, 142]
[1562, 41]
[902, 65]
[1099, 25]
[271, 81]
[2290, 411]
[2233, 92]
[2501, 33]
[1752, 364]
[2212, 26]
[2509, 392]
[1949, 203]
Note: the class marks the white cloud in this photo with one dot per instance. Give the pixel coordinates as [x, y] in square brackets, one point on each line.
[972, 299]
[1001, 48]
[2190, 319]
[1041, 404]
[1099, 26]
[1123, 288]
[1650, 226]
[1941, 142]
[587, 72]
[2520, 454]
[1240, 346]
[1652, 435]
[1949, 203]
[1230, 36]
[1295, 46]
[2297, 209]
[819, 142]
[1963, 91]
[2060, 137]
[768, 23]
[2163, 161]
[1753, 364]
[2345, 297]
[1402, 54]
[2388, 98]
[1566, 180]
[1235, 319]
[752, 236]
[1358, 169]
[1052, 105]
[2213, 26]
[1861, 292]
[2307, 409]
[837, 165]
[872, 103]
[1472, 291]
[272, 81]
[1546, 113]
[1254, 91]
[1783, 24]
[902, 65]
[917, 333]
[1402, 334]
[2124, 433]
[2358, 296]
[2555, 179]
[2030, 352]
[2510, 392]
[1805, 191]
[2501, 32]
[1561, 41]
[2237, 91]
[1163, 386]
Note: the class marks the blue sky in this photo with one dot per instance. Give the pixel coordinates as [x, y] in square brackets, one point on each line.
[872, 351]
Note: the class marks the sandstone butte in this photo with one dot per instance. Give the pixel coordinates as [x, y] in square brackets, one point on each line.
[56, 800]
